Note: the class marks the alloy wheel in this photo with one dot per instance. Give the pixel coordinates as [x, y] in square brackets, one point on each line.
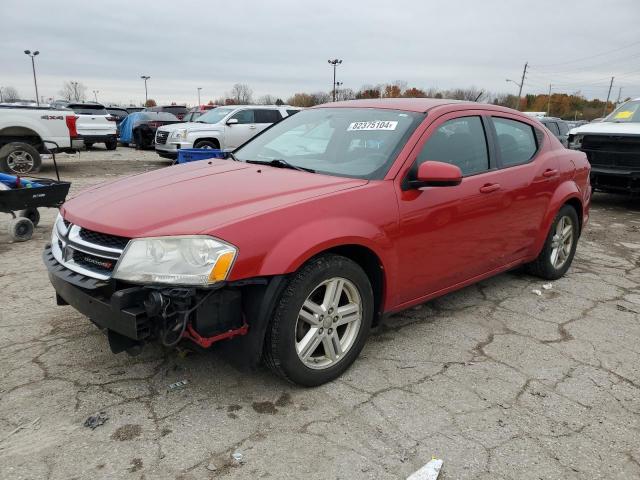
[562, 242]
[20, 161]
[328, 323]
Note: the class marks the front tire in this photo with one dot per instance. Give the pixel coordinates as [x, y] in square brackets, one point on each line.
[559, 247]
[321, 323]
[111, 144]
[208, 144]
[19, 158]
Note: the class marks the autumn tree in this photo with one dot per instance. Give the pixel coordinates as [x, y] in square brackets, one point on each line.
[301, 100]
[414, 92]
[150, 103]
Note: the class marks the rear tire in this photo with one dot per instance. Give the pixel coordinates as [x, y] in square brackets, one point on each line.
[32, 214]
[20, 229]
[559, 247]
[19, 158]
[206, 144]
[111, 144]
[316, 344]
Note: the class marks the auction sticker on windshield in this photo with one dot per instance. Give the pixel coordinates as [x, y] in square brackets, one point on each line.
[375, 125]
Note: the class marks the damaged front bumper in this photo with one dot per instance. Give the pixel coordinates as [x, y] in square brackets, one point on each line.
[132, 315]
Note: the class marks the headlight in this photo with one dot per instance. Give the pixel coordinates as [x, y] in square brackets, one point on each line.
[180, 134]
[575, 141]
[190, 260]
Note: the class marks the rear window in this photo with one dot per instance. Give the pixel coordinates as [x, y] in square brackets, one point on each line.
[117, 111]
[516, 141]
[553, 126]
[267, 116]
[81, 109]
[176, 110]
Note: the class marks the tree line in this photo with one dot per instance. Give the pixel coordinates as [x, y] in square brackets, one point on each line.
[564, 105]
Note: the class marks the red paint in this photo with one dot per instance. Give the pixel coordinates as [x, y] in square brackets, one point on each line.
[429, 241]
[206, 342]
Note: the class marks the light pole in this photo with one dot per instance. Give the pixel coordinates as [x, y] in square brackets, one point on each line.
[335, 62]
[95, 95]
[146, 96]
[199, 88]
[33, 66]
[1, 100]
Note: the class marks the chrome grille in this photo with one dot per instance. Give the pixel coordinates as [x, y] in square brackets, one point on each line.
[161, 137]
[90, 253]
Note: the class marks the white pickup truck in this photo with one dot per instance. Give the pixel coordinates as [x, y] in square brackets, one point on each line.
[28, 132]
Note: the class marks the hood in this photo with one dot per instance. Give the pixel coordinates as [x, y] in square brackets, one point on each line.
[194, 198]
[190, 126]
[607, 128]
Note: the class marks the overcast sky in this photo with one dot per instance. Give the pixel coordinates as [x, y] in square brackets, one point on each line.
[282, 46]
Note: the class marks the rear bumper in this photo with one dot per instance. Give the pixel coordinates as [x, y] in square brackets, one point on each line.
[615, 180]
[99, 138]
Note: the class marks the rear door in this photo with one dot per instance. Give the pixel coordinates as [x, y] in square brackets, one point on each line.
[266, 117]
[529, 176]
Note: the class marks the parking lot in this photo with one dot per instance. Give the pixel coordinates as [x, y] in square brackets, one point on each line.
[497, 380]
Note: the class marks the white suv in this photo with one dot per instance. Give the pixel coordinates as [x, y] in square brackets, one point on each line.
[224, 128]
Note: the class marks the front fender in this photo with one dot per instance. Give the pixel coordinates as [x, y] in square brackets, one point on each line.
[306, 241]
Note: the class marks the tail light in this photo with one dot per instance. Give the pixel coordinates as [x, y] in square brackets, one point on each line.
[71, 125]
[111, 118]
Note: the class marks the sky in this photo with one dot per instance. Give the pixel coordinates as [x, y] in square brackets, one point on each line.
[281, 47]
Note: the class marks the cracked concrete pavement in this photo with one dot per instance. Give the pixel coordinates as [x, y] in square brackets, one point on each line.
[497, 381]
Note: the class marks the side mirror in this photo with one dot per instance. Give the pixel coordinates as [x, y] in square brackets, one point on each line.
[437, 174]
[232, 121]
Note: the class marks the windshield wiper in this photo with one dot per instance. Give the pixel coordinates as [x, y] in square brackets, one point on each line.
[281, 163]
[232, 156]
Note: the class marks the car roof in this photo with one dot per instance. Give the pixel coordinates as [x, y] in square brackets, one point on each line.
[422, 105]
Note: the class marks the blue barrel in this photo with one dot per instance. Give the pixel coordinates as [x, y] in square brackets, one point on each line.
[186, 155]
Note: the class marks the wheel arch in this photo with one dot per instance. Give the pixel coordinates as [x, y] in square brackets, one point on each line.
[372, 265]
[20, 134]
[207, 139]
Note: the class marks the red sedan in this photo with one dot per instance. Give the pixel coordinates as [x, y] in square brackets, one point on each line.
[308, 234]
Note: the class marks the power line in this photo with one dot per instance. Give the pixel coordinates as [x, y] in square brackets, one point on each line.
[590, 56]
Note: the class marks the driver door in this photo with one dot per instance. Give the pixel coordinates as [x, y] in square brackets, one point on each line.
[450, 234]
[238, 133]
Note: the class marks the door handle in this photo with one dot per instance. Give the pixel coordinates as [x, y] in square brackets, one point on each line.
[490, 187]
[550, 172]
[252, 127]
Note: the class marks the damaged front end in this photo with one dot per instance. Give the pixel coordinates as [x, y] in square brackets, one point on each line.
[82, 268]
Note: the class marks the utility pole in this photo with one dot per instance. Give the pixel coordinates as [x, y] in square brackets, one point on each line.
[604, 110]
[1, 95]
[199, 88]
[549, 103]
[619, 94]
[335, 62]
[524, 73]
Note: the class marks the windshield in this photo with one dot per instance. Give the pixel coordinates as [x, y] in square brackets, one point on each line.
[347, 142]
[215, 115]
[626, 113]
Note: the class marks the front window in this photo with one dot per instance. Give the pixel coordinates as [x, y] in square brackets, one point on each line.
[626, 113]
[347, 142]
[215, 115]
